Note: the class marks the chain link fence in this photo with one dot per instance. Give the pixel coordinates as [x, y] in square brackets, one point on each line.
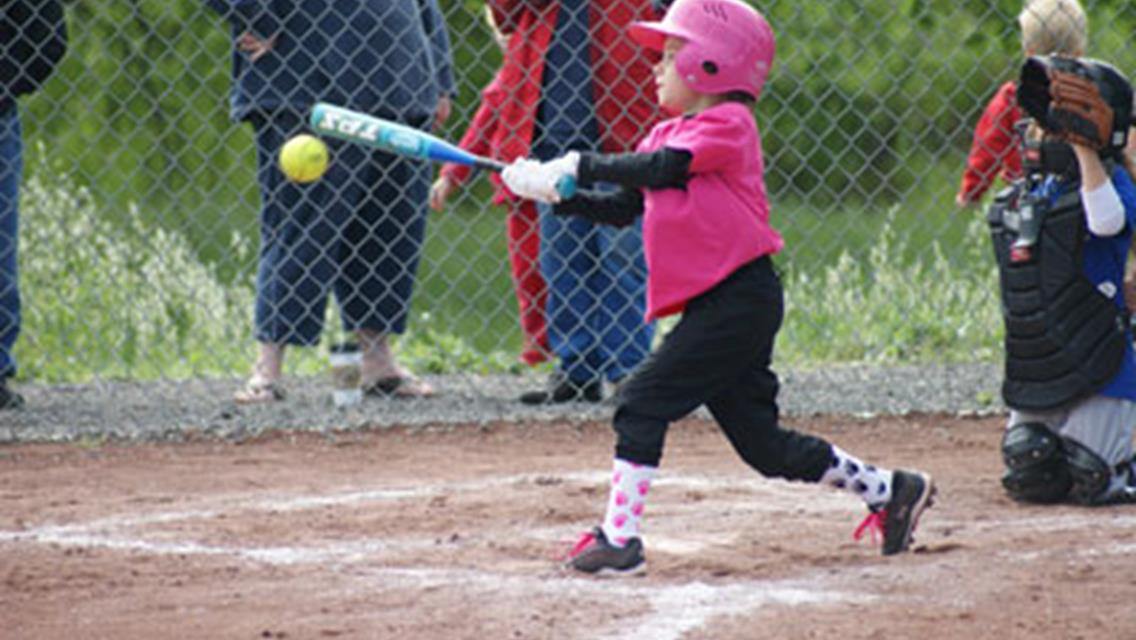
[141, 226]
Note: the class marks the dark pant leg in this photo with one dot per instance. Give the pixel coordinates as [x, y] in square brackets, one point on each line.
[382, 244]
[746, 408]
[11, 171]
[299, 234]
[747, 413]
[720, 336]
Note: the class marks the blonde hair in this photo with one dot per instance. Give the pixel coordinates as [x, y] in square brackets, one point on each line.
[1054, 27]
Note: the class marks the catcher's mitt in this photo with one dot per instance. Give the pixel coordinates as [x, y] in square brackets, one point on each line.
[1078, 113]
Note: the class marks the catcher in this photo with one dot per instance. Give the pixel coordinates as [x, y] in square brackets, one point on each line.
[1061, 236]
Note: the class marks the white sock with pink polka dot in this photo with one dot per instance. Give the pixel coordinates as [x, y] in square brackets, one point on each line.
[846, 471]
[630, 483]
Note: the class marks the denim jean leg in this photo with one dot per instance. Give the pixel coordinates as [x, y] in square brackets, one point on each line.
[11, 173]
[566, 120]
[383, 242]
[567, 259]
[298, 239]
[621, 280]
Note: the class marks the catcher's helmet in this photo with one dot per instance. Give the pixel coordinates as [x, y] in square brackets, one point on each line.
[1033, 93]
[729, 45]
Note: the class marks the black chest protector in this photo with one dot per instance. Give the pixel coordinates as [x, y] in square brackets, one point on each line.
[1064, 339]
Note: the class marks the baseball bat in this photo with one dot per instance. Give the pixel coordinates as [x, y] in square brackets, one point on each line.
[399, 139]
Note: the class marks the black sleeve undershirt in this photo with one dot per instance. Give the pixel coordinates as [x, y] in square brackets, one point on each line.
[617, 208]
[662, 169]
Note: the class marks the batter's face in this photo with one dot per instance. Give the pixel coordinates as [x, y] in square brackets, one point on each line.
[675, 95]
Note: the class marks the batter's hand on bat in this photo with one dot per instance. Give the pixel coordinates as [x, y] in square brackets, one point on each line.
[520, 177]
[566, 165]
[540, 181]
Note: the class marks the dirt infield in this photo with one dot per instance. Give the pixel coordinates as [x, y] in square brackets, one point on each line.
[452, 533]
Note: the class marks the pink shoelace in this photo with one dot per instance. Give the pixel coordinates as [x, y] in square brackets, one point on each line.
[873, 525]
[586, 538]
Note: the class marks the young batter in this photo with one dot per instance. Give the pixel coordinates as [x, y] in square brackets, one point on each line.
[697, 180]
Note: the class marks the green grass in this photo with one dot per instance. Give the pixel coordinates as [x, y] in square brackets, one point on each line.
[464, 285]
[898, 304]
[114, 298]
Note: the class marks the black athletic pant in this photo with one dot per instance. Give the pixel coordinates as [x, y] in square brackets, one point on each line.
[719, 355]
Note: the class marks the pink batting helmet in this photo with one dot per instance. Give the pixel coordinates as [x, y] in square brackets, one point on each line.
[729, 45]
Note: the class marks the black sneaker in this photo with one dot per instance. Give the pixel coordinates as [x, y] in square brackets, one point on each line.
[9, 399]
[560, 389]
[595, 555]
[911, 494]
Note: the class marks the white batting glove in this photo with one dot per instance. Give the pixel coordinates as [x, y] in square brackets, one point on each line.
[566, 166]
[523, 179]
[540, 180]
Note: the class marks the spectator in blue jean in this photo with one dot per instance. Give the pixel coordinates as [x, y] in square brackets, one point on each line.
[33, 38]
[357, 232]
[596, 274]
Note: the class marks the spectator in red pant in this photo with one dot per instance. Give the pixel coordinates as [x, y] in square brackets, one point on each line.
[486, 136]
[1049, 27]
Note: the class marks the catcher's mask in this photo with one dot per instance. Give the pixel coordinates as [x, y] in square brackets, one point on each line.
[1043, 154]
[1034, 98]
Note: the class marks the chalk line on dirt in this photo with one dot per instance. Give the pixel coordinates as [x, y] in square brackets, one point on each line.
[674, 608]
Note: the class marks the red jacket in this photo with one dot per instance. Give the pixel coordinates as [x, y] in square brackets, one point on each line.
[995, 150]
[484, 137]
[624, 87]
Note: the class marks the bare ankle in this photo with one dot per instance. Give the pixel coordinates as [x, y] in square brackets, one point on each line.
[269, 362]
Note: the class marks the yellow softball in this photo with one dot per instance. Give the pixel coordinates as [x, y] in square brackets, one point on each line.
[303, 158]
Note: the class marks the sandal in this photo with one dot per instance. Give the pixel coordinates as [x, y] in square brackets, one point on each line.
[403, 386]
[259, 390]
